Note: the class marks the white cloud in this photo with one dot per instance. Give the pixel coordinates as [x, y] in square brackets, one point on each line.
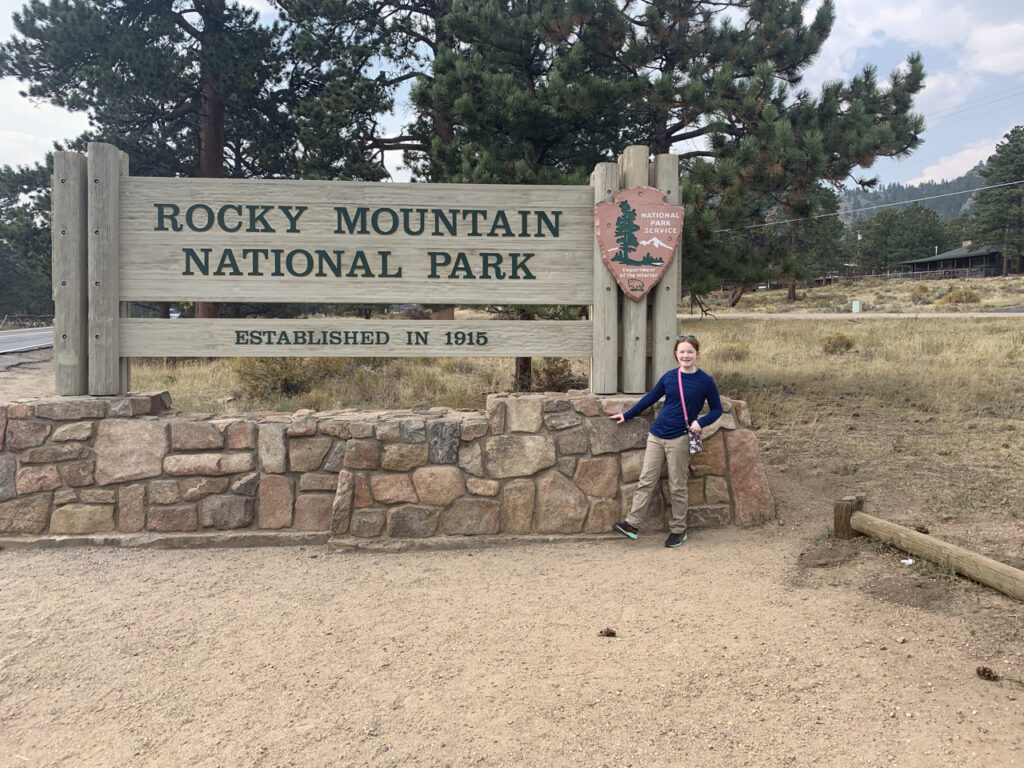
[37, 126]
[957, 164]
[996, 49]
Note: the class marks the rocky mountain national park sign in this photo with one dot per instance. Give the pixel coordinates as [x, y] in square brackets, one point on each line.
[119, 239]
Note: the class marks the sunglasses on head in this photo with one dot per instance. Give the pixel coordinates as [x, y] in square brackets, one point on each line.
[686, 336]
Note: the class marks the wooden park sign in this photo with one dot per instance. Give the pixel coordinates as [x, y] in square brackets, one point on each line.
[119, 239]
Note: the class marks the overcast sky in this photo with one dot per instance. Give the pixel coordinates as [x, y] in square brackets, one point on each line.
[974, 93]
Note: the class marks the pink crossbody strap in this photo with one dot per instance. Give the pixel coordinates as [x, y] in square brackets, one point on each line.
[682, 397]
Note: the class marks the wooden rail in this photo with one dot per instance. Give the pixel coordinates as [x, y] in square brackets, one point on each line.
[850, 519]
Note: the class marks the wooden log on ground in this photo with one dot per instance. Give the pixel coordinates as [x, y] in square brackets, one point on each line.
[984, 570]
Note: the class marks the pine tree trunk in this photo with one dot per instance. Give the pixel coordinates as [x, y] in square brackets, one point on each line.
[211, 155]
[791, 292]
[524, 374]
[737, 294]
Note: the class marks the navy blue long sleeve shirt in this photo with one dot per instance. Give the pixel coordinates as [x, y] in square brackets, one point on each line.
[698, 388]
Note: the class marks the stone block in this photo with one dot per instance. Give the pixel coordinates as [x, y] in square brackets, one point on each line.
[173, 518]
[164, 491]
[525, 413]
[607, 436]
[50, 454]
[471, 459]
[131, 508]
[620, 404]
[361, 429]
[517, 502]
[129, 450]
[336, 428]
[389, 432]
[246, 485]
[694, 490]
[480, 487]
[561, 506]
[64, 496]
[82, 518]
[196, 488]
[716, 490]
[362, 496]
[210, 464]
[603, 512]
[71, 410]
[8, 469]
[390, 488]
[335, 457]
[313, 512]
[562, 420]
[473, 428]
[711, 459]
[709, 516]
[98, 495]
[77, 474]
[632, 463]
[567, 465]
[368, 523]
[306, 454]
[195, 436]
[341, 506]
[411, 521]
[225, 512]
[362, 454]
[240, 436]
[21, 411]
[301, 428]
[26, 514]
[587, 406]
[26, 434]
[437, 485]
[271, 448]
[752, 498]
[401, 457]
[471, 517]
[33, 479]
[443, 439]
[497, 407]
[414, 431]
[318, 481]
[518, 455]
[80, 430]
[275, 500]
[598, 476]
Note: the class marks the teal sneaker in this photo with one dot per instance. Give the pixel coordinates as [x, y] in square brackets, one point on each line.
[675, 539]
[626, 529]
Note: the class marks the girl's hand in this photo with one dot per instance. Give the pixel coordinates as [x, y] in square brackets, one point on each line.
[695, 427]
[617, 417]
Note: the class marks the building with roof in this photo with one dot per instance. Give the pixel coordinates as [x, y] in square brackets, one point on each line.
[968, 260]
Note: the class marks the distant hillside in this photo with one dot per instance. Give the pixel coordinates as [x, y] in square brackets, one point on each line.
[946, 207]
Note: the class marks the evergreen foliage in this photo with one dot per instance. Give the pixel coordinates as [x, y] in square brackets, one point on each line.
[25, 241]
[949, 206]
[1000, 219]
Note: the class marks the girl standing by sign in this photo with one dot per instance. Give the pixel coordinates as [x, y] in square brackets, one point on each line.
[674, 435]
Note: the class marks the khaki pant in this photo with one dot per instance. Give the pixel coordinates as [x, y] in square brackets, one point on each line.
[677, 453]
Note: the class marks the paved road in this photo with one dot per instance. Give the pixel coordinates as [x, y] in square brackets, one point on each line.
[24, 339]
[1000, 314]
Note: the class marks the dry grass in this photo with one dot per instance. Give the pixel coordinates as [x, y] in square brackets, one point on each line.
[876, 295]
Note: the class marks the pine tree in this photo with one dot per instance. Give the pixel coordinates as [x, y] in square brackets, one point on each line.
[1000, 212]
[625, 233]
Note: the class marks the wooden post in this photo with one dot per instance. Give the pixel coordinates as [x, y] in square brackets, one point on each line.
[665, 296]
[70, 273]
[125, 307]
[604, 363]
[841, 513]
[633, 172]
[104, 165]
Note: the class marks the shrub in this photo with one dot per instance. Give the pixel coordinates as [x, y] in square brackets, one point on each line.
[836, 343]
[270, 377]
[555, 374]
[918, 293]
[960, 296]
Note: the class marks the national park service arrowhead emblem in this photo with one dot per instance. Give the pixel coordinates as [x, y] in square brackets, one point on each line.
[638, 233]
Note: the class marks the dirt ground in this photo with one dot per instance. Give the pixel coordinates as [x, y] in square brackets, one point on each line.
[770, 646]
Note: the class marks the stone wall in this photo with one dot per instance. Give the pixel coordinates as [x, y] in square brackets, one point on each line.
[532, 464]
